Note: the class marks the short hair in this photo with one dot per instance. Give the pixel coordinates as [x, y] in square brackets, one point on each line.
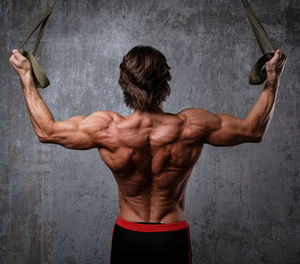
[144, 76]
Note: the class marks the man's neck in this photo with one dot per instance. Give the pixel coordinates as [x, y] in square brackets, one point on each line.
[158, 109]
[152, 111]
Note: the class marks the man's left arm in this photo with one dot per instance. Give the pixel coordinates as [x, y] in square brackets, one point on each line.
[77, 132]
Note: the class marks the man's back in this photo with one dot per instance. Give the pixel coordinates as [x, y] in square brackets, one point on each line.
[151, 156]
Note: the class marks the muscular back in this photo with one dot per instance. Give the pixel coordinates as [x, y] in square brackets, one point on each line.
[151, 156]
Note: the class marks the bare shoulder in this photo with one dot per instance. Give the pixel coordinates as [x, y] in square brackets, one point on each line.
[106, 114]
[198, 115]
[199, 121]
[102, 119]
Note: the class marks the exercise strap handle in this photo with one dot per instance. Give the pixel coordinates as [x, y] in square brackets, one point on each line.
[258, 73]
[39, 76]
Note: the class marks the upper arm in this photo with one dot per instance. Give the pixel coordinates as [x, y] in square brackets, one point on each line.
[228, 130]
[79, 132]
[223, 129]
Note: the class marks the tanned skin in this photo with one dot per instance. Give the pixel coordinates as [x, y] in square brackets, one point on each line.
[152, 153]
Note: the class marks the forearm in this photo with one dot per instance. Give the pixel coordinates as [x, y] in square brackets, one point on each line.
[261, 114]
[39, 113]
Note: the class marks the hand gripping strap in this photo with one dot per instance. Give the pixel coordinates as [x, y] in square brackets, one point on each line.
[258, 73]
[39, 76]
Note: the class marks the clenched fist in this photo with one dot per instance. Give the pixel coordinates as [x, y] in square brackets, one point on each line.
[20, 63]
[275, 66]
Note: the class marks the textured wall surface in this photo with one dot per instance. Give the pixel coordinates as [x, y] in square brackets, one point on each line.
[59, 205]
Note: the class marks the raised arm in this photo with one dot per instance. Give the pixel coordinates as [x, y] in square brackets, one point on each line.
[227, 130]
[78, 132]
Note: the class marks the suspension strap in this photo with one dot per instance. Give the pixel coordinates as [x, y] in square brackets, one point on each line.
[39, 76]
[258, 73]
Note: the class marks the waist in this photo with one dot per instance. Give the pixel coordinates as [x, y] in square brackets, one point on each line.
[151, 227]
[138, 212]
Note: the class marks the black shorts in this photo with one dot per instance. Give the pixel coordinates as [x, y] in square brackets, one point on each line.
[150, 243]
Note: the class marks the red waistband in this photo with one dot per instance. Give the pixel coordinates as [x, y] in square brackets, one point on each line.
[151, 227]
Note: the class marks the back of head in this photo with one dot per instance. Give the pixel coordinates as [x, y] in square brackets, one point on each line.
[144, 76]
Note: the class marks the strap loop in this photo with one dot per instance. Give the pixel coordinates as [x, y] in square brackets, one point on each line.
[258, 73]
[39, 76]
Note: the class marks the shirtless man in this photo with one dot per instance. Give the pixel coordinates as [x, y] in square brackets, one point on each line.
[151, 153]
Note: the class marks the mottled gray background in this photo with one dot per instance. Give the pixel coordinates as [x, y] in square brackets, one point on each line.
[59, 205]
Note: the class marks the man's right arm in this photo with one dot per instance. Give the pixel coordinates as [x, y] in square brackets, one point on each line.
[227, 130]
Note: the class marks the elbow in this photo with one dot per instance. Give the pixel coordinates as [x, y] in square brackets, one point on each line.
[43, 138]
[46, 135]
[253, 134]
[257, 137]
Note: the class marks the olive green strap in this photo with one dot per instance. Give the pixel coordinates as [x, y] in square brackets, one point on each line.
[258, 73]
[39, 76]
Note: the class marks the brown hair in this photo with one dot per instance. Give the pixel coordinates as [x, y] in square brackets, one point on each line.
[144, 76]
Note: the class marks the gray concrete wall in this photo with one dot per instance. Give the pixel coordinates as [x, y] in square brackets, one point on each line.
[59, 205]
